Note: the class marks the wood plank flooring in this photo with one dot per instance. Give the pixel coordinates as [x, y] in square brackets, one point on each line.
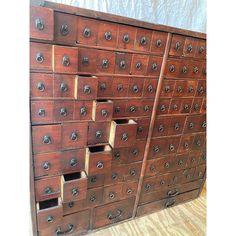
[188, 219]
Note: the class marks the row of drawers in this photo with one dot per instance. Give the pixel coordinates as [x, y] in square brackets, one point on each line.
[65, 28]
[79, 223]
[174, 125]
[95, 160]
[73, 186]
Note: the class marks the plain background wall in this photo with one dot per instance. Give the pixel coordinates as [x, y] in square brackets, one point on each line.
[186, 14]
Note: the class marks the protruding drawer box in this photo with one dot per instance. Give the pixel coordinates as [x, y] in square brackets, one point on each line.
[112, 213]
[40, 57]
[123, 133]
[142, 127]
[98, 160]
[87, 88]
[102, 110]
[74, 186]
[47, 188]
[41, 23]
[49, 213]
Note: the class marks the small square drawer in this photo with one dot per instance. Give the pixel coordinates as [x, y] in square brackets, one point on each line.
[167, 89]
[192, 124]
[116, 175]
[186, 105]
[107, 34]
[46, 138]
[74, 206]
[176, 125]
[74, 186]
[142, 128]
[64, 86]
[191, 88]
[87, 60]
[63, 110]
[40, 57]
[119, 108]
[105, 87]
[105, 61]
[146, 107]
[120, 87]
[102, 110]
[193, 159]
[94, 197]
[196, 106]
[139, 64]
[126, 37]
[119, 155]
[112, 213]
[202, 159]
[185, 68]
[189, 47]
[143, 40]
[177, 45]
[201, 88]
[201, 49]
[149, 88]
[98, 132]
[154, 66]
[42, 112]
[112, 193]
[129, 189]
[161, 126]
[49, 213]
[173, 68]
[123, 133]
[158, 147]
[47, 188]
[65, 28]
[149, 185]
[123, 63]
[135, 87]
[163, 107]
[132, 171]
[200, 172]
[95, 181]
[204, 106]
[41, 85]
[186, 142]
[65, 59]
[98, 160]
[176, 105]
[136, 152]
[199, 141]
[180, 88]
[87, 88]
[41, 23]
[74, 135]
[158, 42]
[87, 31]
[83, 110]
[151, 168]
[196, 69]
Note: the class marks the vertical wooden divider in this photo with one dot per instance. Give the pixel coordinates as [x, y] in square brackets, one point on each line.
[151, 126]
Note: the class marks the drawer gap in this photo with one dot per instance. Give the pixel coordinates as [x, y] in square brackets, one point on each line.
[99, 149]
[73, 176]
[125, 121]
[48, 204]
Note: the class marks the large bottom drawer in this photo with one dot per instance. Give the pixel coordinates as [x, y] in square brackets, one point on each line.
[166, 203]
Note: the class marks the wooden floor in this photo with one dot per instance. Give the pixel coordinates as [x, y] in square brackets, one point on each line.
[188, 219]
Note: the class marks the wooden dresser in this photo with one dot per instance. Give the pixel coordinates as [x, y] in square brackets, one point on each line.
[118, 118]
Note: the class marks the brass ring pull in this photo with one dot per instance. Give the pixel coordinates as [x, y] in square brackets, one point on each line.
[122, 64]
[110, 216]
[83, 111]
[177, 46]
[108, 35]
[70, 229]
[39, 24]
[64, 87]
[126, 38]
[73, 162]
[173, 192]
[74, 136]
[172, 68]
[40, 87]
[170, 203]
[158, 43]
[47, 139]
[87, 32]
[39, 57]
[100, 165]
[65, 60]
[190, 48]
[41, 112]
[103, 87]
[64, 30]
[46, 165]
[143, 41]
[63, 111]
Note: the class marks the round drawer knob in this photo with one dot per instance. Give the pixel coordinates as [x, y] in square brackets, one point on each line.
[98, 134]
[177, 46]
[87, 32]
[167, 165]
[135, 89]
[146, 108]
[190, 89]
[73, 162]
[201, 90]
[85, 61]
[46, 165]
[117, 109]
[108, 35]
[119, 87]
[41, 112]
[103, 87]
[171, 147]
[65, 60]
[162, 108]
[175, 107]
[161, 128]
[87, 89]
[195, 70]
[111, 195]
[124, 137]
[117, 155]
[179, 89]
[204, 124]
[196, 107]
[162, 182]
[180, 162]
[190, 48]
[167, 89]
[40, 87]
[184, 69]
[63, 112]
[48, 190]
[147, 187]
[154, 66]
[193, 160]
[132, 172]
[93, 179]
[177, 126]
[129, 191]
[50, 219]
[92, 198]
[100, 165]
[186, 146]
[190, 126]
[126, 38]
[132, 109]
[39, 24]
[46, 139]
[114, 176]
[150, 88]
[198, 143]
[143, 41]
[201, 50]
[122, 64]
[138, 66]
[200, 174]
[104, 113]
[74, 136]
[156, 149]
[186, 107]
[39, 57]
[172, 68]
[140, 129]
[105, 63]
[70, 204]
[64, 87]
[135, 152]
[152, 168]
[64, 30]
[83, 111]
[75, 192]
[158, 43]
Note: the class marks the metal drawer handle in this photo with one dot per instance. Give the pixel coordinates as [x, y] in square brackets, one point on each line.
[64, 29]
[204, 124]
[162, 182]
[173, 192]
[179, 89]
[70, 204]
[195, 70]
[70, 229]
[147, 187]
[129, 191]
[73, 162]
[124, 137]
[114, 176]
[117, 109]
[105, 63]
[132, 109]
[158, 43]
[146, 108]
[39, 57]
[201, 90]
[167, 165]
[46, 165]
[104, 112]
[48, 190]
[161, 128]
[41, 112]
[177, 126]
[184, 69]
[143, 41]
[132, 172]
[186, 107]
[170, 203]
[150, 88]
[200, 174]
[135, 88]
[65, 60]
[119, 87]
[110, 216]
[50, 219]
[100, 165]
[122, 64]
[190, 89]
[92, 198]
[111, 195]
[201, 49]
[74, 136]
[190, 126]
[98, 134]
[186, 145]
[154, 66]
[172, 68]
[40, 87]
[171, 147]
[152, 168]
[126, 38]
[39, 24]
[135, 152]
[75, 192]
[63, 111]
[117, 155]
[47, 139]
[93, 179]
[83, 111]
[87, 89]
[190, 48]
[177, 46]
[139, 66]
[64, 87]
[103, 87]
[163, 108]
[167, 89]
[87, 32]
[175, 107]
[156, 149]
[198, 142]
[180, 162]
[108, 35]
[140, 129]
[85, 61]
[196, 107]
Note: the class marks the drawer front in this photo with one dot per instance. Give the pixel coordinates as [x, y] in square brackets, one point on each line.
[161, 126]
[164, 106]
[167, 88]
[83, 110]
[119, 108]
[136, 152]
[139, 64]
[201, 88]
[196, 106]
[142, 128]
[87, 60]
[120, 87]
[41, 23]
[102, 110]
[123, 63]
[126, 37]
[112, 213]
[65, 28]
[63, 111]
[132, 171]
[94, 197]
[143, 40]
[173, 68]
[112, 193]
[65, 59]
[40, 57]
[177, 45]
[47, 188]
[46, 138]
[193, 158]
[149, 88]
[200, 49]
[158, 42]
[180, 88]
[87, 88]
[119, 155]
[135, 87]
[105, 86]
[190, 47]
[154, 65]
[186, 142]
[176, 106]
[105, 61]
[176, 125]
[95, 180]
[199, 141]
[129, 189]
